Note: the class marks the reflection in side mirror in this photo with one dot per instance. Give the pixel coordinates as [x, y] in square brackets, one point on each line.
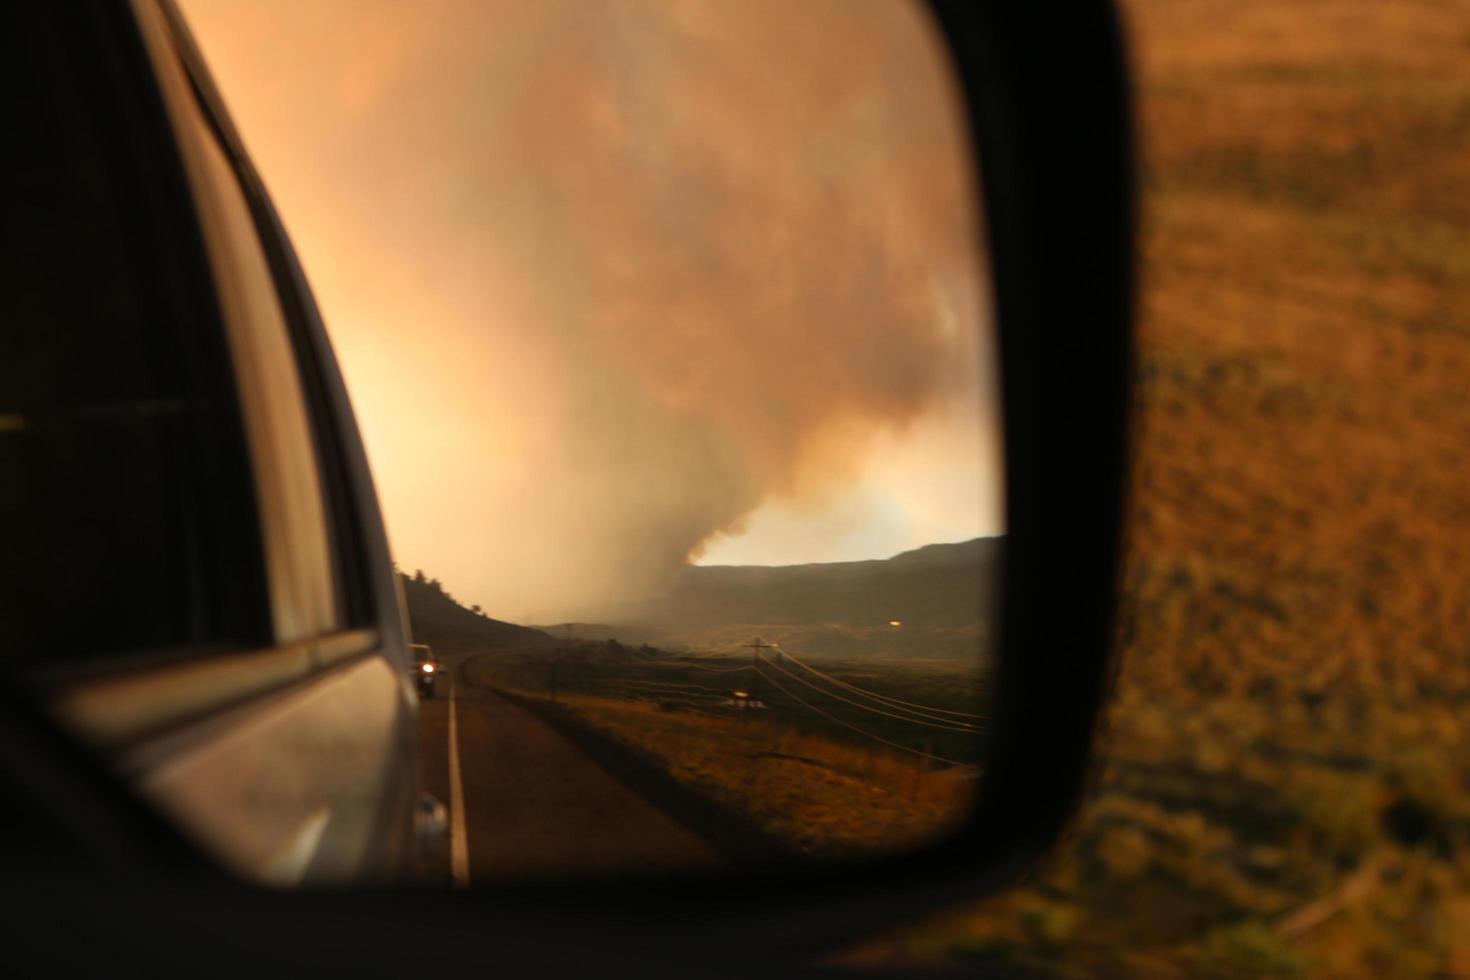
[869, 740]
[726, 456]
[668, 334]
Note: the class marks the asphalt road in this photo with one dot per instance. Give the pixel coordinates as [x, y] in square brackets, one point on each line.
[525, 802]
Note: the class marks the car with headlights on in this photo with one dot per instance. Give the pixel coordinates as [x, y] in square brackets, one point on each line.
[425, 668]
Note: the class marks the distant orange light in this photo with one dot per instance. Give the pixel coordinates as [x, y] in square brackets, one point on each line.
[741, 694]
[894, 622]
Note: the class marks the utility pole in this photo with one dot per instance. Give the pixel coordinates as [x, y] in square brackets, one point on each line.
[755, 646]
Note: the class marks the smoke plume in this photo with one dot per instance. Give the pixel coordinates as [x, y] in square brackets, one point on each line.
[606, 277]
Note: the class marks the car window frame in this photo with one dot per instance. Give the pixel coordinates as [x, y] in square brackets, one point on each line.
[122, 703]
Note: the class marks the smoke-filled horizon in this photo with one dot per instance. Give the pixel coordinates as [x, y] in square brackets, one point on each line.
[619, 286]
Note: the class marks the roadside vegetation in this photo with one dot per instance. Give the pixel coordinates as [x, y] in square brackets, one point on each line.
[854, 776]
[1284, 786]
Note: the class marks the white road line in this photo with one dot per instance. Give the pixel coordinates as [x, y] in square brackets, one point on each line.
[459, 846]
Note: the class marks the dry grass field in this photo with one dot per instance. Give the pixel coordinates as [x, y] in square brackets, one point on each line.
[1284, 785]
[800, 778]
[824, 797]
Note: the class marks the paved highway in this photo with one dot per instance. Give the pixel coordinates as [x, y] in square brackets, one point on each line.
[526, 802]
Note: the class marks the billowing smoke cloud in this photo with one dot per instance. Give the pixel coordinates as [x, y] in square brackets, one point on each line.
[606, 277]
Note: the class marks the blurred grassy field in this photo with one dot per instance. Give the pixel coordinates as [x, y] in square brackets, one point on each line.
[1284, 788]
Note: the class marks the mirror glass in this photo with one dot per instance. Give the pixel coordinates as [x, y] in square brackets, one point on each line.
[667, 329]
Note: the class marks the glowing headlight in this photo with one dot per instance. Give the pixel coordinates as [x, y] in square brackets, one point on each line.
[428, 668]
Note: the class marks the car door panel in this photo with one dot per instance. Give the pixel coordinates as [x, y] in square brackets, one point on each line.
[290, 787]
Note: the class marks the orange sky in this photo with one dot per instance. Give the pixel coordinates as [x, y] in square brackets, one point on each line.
[617, 285]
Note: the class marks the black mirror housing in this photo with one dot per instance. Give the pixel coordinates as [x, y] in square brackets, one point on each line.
[1048, 104]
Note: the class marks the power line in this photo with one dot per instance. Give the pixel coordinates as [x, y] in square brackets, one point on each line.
[878, 697]
[883, 698]
[865, 734]
[946, 726]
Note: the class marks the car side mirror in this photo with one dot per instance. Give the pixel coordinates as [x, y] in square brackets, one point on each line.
[310, 636]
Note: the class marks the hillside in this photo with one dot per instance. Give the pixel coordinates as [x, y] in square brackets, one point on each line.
[437, 619]
[936, 593]
[936, 586]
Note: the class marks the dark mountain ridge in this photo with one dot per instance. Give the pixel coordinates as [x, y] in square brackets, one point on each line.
[936, 586]
[437, 619]
[941, 594]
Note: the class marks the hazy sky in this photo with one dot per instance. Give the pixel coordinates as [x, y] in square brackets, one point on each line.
[618, 285]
